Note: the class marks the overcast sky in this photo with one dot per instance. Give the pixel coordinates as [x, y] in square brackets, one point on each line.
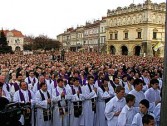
[52, 17]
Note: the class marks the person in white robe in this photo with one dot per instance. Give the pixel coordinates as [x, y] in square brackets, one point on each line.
[5, 88]
[137, 92]
[143, 110]
[76, 116]
[43, 105]
[36, 87]
[156, 112]
[125, 118]
[114, 106]
[153, 94]
[49, 82]
[148, 120]
[25, 97]
[89, 105]
[60, 97]
[145, 79]
[31, 80]
[14, 85]
[104, 95]
[129, 86]
[4, 93]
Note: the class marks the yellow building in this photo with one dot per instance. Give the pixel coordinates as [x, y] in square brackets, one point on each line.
[136, 29]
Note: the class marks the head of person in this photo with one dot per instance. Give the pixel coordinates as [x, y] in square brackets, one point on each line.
[130, 80]
[47, 76]
[100, 75]
[90, 79]
[2, 79]
[124, 78]
[76, 73]
[116, 80]
[19, 77]
[120, 92]
[43, 86]
[144, 72]
[138, 84]
[148, 120]
[71, 80]
[130, 99]
[23, 85]
[105, 82]
[76, 81]
[31, 73]
[60, 82]
[144, 106]
[41, 79]
[154, 83]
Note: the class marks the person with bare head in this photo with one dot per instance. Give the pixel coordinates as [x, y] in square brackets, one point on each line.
[25, 97]
[114, 106]
[43, 104]
[31, 80]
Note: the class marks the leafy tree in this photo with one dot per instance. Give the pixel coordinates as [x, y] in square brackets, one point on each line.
[3, 40]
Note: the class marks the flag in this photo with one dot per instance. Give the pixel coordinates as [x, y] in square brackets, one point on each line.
[158, 45]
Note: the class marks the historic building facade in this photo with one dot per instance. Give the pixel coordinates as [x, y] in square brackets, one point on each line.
[136, 30]
[15, 39]
[133, 30]
[91, 36]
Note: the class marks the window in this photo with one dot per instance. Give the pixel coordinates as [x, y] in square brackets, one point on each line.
[126, 35]
[154, 35]
[139, 35]
[116, 35]
[111, 36]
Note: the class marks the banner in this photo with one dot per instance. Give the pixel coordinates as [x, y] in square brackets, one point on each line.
[157, 46]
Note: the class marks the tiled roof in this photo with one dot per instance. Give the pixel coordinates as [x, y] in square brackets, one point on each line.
[16, 33]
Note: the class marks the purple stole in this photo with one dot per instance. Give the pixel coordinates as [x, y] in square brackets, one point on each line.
[61, 111]
[38, 86]
[73, 90]
[57, 93]
[84, 82]
[77, 104]
[99, 82]
[22, 96]
[55, 83]
[7, 87]
[29, 81]
[16, 86]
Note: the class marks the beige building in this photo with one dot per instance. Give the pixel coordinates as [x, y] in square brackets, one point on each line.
[102, 37]
[15, 39]
[91, 36]
[136, 29]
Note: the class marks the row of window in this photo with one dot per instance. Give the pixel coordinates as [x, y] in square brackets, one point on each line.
[115, 35]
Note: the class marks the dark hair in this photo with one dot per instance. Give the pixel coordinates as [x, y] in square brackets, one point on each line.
[18, 74]
[75, 79]
[22, 81]
[130, 78]
[42, 83]
[119, 88]
[90, 77]
[104, 79]
[129, 97]
[58, 80]
[144, 70]
[154, 81]
[146, 119]
[114, 77]
[31, 71]
[145, 102]
[138, 81]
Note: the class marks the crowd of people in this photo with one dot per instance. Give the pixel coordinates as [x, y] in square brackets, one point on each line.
[83, 89]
